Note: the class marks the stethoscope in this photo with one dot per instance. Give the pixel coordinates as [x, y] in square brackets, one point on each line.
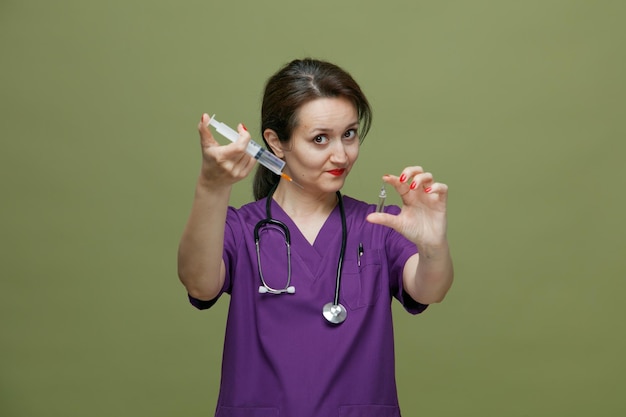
[334, 312]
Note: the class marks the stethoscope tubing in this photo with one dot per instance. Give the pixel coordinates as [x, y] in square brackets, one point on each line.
[342, 252]
[334, 312]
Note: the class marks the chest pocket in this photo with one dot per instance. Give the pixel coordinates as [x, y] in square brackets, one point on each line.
[361, 285]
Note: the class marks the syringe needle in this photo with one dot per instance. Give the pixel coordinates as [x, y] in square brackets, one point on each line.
[288, 178]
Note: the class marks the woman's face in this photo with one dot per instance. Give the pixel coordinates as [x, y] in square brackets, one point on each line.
[324, 144]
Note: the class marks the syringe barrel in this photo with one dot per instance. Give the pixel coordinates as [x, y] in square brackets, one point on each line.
[265, 158]
[382, 195]
[270, 161]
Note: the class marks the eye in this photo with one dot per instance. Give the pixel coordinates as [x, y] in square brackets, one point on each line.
[350, 134]
[320, 139]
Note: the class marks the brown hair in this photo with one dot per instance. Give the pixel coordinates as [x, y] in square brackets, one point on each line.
[294, 85]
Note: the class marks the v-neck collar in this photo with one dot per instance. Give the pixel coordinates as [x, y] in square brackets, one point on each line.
[314, 256]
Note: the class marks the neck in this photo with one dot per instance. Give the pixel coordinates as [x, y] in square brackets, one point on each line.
[298, 204]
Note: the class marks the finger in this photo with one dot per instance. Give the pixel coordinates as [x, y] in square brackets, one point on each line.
[248, 166]
[241, 167]
[390, 179]
[384, 219]
[410, 172]
[206, 137]
[242, 142]
[406, 177]
[437, 188]
[235, 154]
[400, 186]
[422, 180]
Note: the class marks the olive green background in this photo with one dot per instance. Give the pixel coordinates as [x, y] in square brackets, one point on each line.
[517, 105]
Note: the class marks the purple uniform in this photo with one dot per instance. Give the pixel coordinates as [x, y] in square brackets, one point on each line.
[281, 357]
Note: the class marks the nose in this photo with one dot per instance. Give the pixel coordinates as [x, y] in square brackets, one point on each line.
[338, 153]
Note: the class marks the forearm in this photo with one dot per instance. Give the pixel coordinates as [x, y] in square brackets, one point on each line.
[200, 264]
[428, 276]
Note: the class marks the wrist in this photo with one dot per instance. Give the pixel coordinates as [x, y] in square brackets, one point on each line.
[206, 185]
[434, 250]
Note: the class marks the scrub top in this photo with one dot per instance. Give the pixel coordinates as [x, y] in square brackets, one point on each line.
[281, 357]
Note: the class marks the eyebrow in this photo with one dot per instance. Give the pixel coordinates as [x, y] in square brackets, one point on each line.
[352, 125]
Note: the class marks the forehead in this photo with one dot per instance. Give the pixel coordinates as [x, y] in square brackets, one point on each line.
[326, 113]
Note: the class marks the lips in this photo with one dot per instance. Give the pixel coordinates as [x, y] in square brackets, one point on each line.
[337, 172]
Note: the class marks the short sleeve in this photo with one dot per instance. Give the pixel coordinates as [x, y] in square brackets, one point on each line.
[202, 304]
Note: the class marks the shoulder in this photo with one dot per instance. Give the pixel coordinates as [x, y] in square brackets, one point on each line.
[356, 216]
[354, 206]
[248, 212]
[360, 208]
[251, 206]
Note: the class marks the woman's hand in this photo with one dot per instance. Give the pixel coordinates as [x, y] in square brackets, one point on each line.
[422, 219]
[223, 165]
[427, 276]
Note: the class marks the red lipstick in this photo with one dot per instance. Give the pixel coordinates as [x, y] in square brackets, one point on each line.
[337, 172]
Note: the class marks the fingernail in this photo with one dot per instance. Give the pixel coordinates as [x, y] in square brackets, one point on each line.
[427, 189]
[244, 127]
[202, 118]
[402, 178]
[413, 185]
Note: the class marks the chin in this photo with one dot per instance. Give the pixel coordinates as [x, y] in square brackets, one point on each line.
[336, 185]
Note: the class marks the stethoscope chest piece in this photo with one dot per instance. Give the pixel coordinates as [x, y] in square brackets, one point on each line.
[334, 313]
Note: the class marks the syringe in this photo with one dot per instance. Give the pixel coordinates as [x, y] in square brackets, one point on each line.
[381, 199]
[265, 158]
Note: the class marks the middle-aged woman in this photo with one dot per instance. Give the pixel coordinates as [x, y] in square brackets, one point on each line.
[309, 330]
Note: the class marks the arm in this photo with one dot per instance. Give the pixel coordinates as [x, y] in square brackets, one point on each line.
[200, 265]
[427, 276]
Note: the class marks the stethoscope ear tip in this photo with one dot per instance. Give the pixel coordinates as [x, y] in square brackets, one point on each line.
[264, 290]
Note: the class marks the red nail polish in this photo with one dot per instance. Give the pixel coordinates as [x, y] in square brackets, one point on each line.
[402, 178]
[413, 185]
[427, 189]
[244, 127]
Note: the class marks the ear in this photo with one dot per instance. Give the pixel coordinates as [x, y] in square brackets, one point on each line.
[274, 142]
